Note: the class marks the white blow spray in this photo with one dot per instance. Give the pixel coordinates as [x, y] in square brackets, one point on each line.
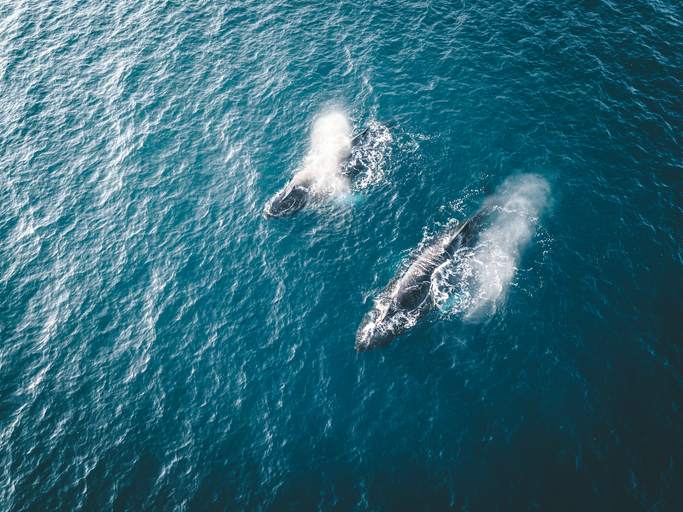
[476, 281]
[330, 145]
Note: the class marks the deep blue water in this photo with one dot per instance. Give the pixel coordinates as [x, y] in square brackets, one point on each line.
[164, 346]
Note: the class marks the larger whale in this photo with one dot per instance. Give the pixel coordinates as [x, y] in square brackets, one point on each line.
[346, 163]
[472, 263]
[408, 297]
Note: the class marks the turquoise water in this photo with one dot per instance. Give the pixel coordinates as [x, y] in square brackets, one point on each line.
[164, 346]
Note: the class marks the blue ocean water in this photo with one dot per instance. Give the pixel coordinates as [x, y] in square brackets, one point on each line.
[164, 346]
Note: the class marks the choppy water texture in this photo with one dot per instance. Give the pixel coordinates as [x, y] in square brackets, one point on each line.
[164, 346]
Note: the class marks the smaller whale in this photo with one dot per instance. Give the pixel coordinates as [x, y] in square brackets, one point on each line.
[408, 298]
[303, 186]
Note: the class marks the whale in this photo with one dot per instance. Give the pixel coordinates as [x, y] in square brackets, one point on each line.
[466, 269]
[408, 297]
[302, 187]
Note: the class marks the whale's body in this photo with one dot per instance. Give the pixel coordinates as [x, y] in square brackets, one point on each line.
[408, 298]
[302, 187]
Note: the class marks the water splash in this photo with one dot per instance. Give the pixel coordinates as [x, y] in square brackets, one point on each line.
[371, 156]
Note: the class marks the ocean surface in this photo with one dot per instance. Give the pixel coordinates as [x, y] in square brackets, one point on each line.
[165, 346]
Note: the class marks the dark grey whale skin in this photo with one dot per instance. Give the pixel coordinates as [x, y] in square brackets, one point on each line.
[409, 293]
[294, 197]
[288, 201]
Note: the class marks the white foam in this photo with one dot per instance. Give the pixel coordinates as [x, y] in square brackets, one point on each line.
[476, 281]
[372, 156]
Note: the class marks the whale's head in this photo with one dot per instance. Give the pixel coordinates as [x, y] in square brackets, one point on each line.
[288, 201]
[380, 326]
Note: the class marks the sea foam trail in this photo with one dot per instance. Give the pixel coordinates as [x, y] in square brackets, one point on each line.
[475, 282]
[371, 156]
[329, 146]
